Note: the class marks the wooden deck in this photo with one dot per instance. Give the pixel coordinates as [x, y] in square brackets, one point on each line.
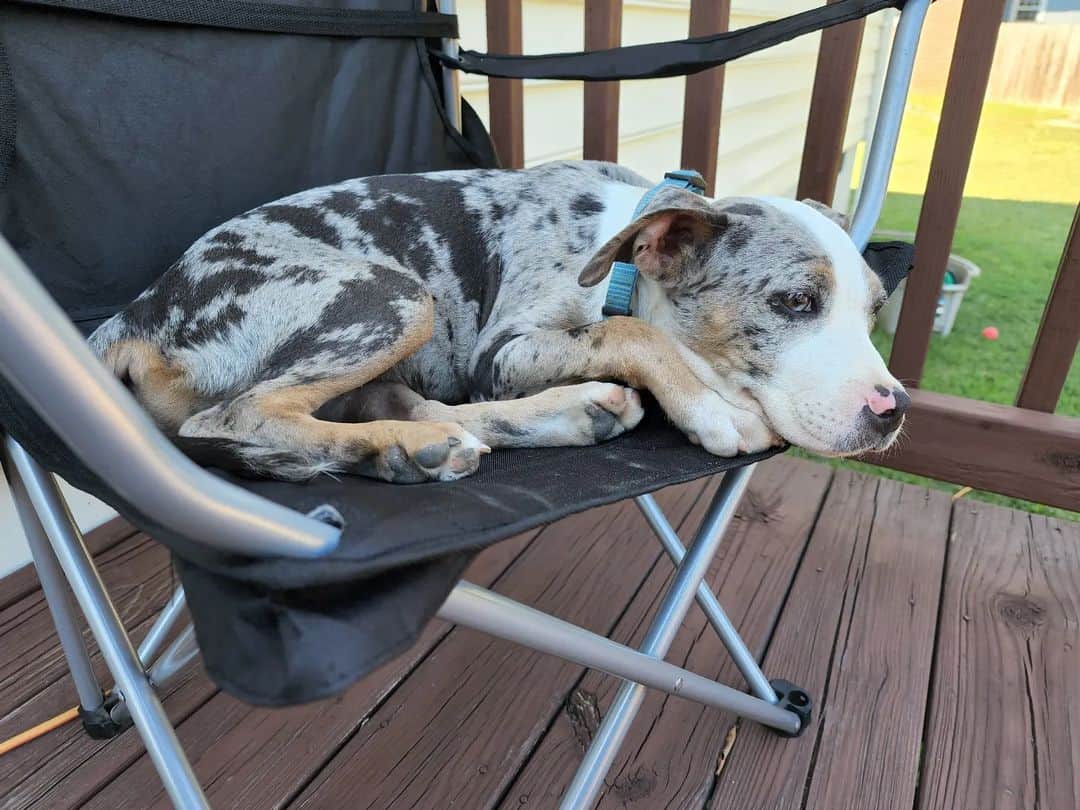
[941, 643]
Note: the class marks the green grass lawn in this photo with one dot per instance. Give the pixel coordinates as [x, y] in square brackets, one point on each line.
[1019, 201]
[1017, 245]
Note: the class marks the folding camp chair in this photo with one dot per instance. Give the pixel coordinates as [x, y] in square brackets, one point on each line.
[297, 590]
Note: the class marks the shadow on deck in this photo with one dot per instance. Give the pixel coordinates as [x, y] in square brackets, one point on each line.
[941, 643]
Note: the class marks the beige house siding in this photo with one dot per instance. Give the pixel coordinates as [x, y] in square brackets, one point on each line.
[766, 95]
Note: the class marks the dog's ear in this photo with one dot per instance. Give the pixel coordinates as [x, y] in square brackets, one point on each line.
[660, 241]
[839, 218]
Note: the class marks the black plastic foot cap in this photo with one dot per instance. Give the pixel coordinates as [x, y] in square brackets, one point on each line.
[794, 699]
[99, 723]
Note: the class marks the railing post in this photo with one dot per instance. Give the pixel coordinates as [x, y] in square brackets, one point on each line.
[704, 96]
[1059, 332]
[969, 74]
[830, 104]
[505, 96]
[603, 29]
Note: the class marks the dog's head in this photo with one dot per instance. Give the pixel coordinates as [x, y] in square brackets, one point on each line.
[774, 297]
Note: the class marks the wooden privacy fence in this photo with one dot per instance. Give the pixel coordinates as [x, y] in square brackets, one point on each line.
[1025, 450]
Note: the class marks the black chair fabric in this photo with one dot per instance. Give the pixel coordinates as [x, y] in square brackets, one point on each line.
[122, 140]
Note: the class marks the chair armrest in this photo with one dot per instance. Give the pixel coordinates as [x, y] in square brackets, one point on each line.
[894, 93]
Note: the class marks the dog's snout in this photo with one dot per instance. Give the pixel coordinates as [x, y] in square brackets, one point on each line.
[885, 409]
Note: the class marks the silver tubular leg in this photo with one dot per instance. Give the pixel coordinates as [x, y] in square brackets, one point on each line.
[451, 77]
[57, 594]
[161, 627]
[150, 719]
[471, 606]
[879, 160]
[742, 656]
[175, 657]
[589, 779]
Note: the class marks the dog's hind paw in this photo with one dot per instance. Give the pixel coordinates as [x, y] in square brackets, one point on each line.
[611, 409]
[429, 451]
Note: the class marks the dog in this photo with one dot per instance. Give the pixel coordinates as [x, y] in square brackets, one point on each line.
[401, 326]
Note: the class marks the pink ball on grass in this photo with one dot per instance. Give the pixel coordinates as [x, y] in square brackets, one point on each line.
[990, 332]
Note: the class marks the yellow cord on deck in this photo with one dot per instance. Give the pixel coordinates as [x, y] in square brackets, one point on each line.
[41, 728]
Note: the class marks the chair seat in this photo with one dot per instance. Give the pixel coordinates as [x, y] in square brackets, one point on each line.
[279, 631]
[276, 631]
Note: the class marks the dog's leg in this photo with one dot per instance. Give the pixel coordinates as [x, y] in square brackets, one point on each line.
[270, 429]
[567, 416]
[633, 352]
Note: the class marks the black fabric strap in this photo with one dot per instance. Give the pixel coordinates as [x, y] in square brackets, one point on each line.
[661, 59]
[269, 17]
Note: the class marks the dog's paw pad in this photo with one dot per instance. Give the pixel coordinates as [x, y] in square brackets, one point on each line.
[394, 465]
[612, 410]
[430, 452]
[433, 455]
[454, 456]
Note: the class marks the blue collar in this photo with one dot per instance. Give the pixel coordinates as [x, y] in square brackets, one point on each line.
[623, 276]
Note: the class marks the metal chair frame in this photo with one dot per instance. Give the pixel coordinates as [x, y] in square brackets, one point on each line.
[49, 364]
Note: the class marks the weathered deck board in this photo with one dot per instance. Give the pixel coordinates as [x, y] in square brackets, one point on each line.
[137, 575]
[822, 643]
[1004, 720]
[466, 721]
[24, 581]
[750, 574]
[881, 665]
[462, 725]
[65, 768]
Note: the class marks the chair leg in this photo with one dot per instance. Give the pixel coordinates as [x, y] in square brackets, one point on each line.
[480, 609]
[706, 599]
[57, 598]
[472, 606]
[161, 627]
[149, 717]
[589, 778]
[182, 650]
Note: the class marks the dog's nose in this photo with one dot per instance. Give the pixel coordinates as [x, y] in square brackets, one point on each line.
[885, 409]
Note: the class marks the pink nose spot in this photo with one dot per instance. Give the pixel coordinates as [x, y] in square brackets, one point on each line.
[881, 401]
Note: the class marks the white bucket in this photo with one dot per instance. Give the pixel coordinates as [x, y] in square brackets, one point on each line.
[963, 272]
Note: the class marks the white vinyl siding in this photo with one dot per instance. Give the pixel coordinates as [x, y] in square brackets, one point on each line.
[766, 94]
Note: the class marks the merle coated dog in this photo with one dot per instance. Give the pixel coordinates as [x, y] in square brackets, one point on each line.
[400, 326]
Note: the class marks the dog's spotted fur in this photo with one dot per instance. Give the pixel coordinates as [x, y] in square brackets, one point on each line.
[398, 326]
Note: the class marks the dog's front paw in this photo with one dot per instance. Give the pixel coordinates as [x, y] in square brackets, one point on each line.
[755, 435]
[724, 430]
[710, 425]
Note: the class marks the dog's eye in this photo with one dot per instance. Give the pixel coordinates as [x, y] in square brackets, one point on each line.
[799, 302]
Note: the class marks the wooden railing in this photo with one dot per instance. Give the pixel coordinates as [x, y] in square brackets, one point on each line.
[1024, 451]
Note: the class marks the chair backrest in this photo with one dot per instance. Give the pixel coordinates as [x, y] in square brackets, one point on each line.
[123, 139]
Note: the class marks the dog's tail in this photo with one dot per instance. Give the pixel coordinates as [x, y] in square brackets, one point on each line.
[161, 386]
